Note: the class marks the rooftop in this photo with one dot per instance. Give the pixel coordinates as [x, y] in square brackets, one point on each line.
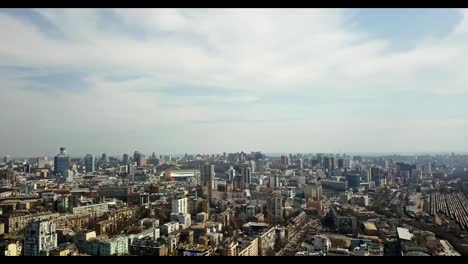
[404, 234]
[370, 226]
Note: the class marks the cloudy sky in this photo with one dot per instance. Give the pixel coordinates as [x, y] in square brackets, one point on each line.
[208, 81]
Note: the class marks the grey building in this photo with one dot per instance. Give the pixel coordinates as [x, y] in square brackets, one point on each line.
[232, 173]
[354, 180]
[136, 156]
[246, 175]
[125, 159]
[61, 162]
[275, 208]
[89, 163]
[207, 176]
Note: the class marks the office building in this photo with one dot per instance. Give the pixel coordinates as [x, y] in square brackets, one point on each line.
[207, 176]
[327, 163]
[252, 165]
[125, 159]
[340, 163]
[300, 164]
[41, 237]
[153, 159]
[61, 162]
[285, 160]
[141, 162]
[354, 180]
[89, 163]
[376, 174]
[332, 163]
[136, 156]
[231, 173]
[104, 157]
[246, 175]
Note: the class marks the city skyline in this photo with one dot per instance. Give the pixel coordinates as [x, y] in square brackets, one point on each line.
[97, 155]
[213, 81]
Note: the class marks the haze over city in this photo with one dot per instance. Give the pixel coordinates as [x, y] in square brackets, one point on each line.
[209, 81]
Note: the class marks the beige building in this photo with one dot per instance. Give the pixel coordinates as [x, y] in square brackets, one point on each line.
[266, 241]
[249, 248]
[95, 210]
[73, 221]
[17, 222]
[230, 249]
[13, 249]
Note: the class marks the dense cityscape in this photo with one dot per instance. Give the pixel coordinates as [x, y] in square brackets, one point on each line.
[233, 132]
[234, 204]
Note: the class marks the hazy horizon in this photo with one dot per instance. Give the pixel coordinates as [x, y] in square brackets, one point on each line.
[218, 80]
[268, 154]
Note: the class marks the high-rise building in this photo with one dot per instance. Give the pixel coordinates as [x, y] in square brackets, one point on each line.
[231, 173]
[327, 163]
[274, 181]
[313, 190]
[275, 208]
[332, 163]
[207, 176]
[416, 176]
[252, 165]
[130, 170]
[246, 175]
[357, 159]
[366, 174]
[89, 163]
[41, 237]
[340, 163]
[242, 156]
[427, 168]
[354, 180]
[6, 159]
[141, 162]
[61, 162]
[28, 168]
[180, 205]
[376, 175]
[285, 160]
[104, 157]
[125, 159]
[385, 164]
[320, 158]
[136, 156]
[262, 166]
[300, 164]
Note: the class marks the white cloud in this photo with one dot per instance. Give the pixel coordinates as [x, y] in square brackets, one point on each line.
[252, 53]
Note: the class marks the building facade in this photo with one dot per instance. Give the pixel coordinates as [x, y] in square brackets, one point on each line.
[89, 163]
[207, 176]
[41, 237]
[61, 162]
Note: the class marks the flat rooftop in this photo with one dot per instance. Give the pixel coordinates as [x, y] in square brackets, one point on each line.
[404, 234]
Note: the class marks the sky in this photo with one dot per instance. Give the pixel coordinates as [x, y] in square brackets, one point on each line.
[225, 80]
